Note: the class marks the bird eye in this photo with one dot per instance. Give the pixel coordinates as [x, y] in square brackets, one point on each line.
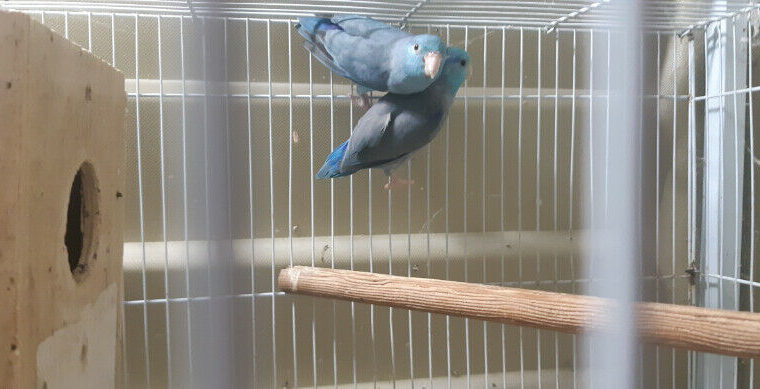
[464, 62]
[416, 47]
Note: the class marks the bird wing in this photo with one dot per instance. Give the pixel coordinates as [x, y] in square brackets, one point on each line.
[368, 136]
[393, 128]
[355, 47]
[318, 50]
[363, 26]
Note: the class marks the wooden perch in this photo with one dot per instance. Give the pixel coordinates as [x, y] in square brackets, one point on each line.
[700, 329]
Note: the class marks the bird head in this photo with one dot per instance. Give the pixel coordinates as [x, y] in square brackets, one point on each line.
[455, 68]
[422, 57]
[432, 51]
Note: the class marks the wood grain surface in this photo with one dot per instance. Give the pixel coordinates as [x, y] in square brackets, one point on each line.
[711, 330]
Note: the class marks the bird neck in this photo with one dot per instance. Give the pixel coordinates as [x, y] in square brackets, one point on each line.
[446, 85]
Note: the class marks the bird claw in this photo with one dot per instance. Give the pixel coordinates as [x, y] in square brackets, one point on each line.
[396, 182]
[362, 101]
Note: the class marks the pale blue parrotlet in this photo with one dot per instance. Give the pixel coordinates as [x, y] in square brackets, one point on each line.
[372, 54]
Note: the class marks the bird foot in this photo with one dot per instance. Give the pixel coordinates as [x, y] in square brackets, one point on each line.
[362, 101]
[396, 182]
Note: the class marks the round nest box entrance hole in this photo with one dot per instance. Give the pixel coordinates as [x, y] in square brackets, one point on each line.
[82, 221]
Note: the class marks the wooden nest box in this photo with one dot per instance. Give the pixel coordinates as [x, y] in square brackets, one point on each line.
[62, 164]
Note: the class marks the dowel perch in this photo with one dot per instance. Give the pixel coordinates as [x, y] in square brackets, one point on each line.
[700, 329]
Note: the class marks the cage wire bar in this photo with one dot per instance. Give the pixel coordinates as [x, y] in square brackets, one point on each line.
[218, 170]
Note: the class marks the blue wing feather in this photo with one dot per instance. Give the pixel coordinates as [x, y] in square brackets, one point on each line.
[354, 47]
[331, 167]
[313, 29]
[310, 26]
[319, 52]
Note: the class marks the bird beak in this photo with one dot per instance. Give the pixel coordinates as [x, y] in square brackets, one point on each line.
[432, 61]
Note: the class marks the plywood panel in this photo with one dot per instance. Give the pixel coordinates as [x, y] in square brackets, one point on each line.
[64, 110]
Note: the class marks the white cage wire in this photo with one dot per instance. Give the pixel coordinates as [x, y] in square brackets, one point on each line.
[229, 118]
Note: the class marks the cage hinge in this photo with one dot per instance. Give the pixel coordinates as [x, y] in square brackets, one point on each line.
[693, 272]
[687, 33]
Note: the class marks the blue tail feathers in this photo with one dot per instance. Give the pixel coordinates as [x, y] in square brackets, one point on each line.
[331, 168]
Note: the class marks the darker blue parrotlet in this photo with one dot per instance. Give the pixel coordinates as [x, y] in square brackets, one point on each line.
[398, 125]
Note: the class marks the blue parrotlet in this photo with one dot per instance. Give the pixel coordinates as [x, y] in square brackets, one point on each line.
[372, 54]
[398, 125]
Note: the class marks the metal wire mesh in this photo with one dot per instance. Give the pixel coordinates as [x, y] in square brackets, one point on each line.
[724, 206]
[499, 194]
[665, 15]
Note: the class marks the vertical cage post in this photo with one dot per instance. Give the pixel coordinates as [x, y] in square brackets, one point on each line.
[616, 223]
[723, 180]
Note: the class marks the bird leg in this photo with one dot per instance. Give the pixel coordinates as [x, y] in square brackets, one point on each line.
[362, 101]
[394, 182]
